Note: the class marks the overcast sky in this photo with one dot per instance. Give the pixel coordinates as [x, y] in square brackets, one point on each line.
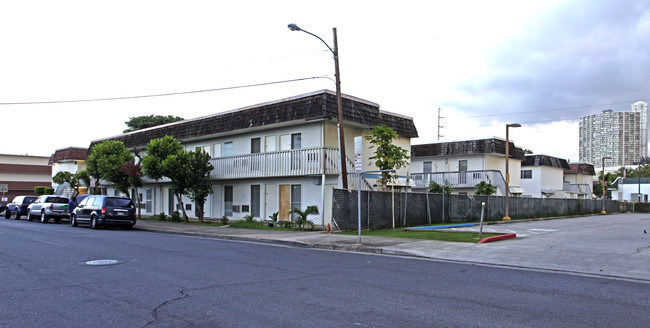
[543, 64]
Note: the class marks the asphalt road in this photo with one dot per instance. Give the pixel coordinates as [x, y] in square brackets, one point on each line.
[164, 280]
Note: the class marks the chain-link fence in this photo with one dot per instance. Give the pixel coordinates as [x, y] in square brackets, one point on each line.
[385, 209]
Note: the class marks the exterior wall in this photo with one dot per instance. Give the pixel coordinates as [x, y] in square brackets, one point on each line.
[311, 194]
[543, 178]
[533, 186]
[22, 173]
[625, 191]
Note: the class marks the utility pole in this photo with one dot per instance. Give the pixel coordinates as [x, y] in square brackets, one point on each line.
[439, 126]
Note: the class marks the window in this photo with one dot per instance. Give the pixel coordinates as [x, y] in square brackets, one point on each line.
[227, 200]
[227, 148]
[256, 147]
[97, 201]
[255, 200]
[217, 150]
[149, 200]
[526, 174]
[427, 167]
[296, 199]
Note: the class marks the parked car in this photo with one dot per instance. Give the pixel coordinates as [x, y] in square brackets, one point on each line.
[19, 206]
[48, 207]
[102, 210]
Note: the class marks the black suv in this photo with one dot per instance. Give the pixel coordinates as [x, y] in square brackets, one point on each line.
[19, 206]
[101, 210]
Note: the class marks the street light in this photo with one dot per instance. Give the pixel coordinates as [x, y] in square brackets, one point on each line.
[514, 125]
[335, 52]
[603, 184]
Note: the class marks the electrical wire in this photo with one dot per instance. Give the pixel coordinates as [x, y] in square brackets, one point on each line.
[163, 94]
[559, 109]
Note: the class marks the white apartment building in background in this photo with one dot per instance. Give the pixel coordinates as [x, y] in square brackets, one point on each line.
[623, 136]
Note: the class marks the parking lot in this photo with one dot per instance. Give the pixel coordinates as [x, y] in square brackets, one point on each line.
[610, 245]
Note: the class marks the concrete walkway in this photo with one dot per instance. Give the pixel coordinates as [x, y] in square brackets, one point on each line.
[610, 245]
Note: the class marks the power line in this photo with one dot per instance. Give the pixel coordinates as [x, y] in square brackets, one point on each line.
[558, 109]
[164, 94]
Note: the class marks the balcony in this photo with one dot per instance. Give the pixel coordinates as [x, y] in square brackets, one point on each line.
[297, 162]
[461, 180]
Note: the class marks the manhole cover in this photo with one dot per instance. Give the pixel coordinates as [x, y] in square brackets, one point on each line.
[103, 262]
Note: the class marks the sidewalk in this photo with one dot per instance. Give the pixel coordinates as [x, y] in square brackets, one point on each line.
[610, 246]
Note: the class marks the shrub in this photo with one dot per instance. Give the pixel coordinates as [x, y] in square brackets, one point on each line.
[249, 218]
[435, 188]
[49, 191]
[224, 220]
[39, 190]
[175, 217]
[302, 220]
[484, 188]
[161, 217]
[274, 217]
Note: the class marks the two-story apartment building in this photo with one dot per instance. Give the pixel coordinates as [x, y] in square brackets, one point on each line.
[578, 180]
[542, 176]
[463, 164]
[70, 159]
[271, 157]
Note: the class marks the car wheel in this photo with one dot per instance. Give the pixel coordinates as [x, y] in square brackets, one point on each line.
[30, 217]
[44, 218]
[73, 221]
[7, 214]
[17, 216]
[93, 222]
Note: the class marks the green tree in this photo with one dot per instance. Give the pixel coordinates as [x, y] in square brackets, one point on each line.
[142, 122]
[387, 155]
[199, 186]
[62, 177]
[484, 188]
[436, 188]
[84, 177]
[528, 152]
[166, 158]
[133, 172]
[105, 162]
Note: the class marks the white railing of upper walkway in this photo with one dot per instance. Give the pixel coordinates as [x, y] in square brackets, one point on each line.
[461, 179]
[296, 162]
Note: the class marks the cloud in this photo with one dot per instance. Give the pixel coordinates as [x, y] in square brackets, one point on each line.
[571, 56]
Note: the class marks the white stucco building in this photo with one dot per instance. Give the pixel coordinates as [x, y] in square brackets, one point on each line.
[271, 157]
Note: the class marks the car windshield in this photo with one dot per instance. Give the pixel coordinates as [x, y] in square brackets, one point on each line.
[29, 199]
[118, 202]
[57, 200]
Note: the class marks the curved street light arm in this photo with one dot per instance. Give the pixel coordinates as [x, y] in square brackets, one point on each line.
[295, 27]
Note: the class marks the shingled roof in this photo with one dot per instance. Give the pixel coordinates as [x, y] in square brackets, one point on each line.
[583, 168]
[69, 154]
[467, 147]
[316, 105]
[545, 160]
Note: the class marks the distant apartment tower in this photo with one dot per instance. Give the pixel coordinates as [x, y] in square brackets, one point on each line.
[623, 136]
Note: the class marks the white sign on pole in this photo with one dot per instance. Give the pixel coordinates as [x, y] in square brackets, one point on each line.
[358, 145]
[4, 187]
[358, 149]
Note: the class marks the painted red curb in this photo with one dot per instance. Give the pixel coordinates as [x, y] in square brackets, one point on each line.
[495, 238]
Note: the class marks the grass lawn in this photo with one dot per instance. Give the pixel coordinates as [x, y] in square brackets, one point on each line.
[466, 237]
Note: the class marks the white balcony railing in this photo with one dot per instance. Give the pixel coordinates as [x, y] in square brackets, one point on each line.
[297, 162]
[464, 179]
